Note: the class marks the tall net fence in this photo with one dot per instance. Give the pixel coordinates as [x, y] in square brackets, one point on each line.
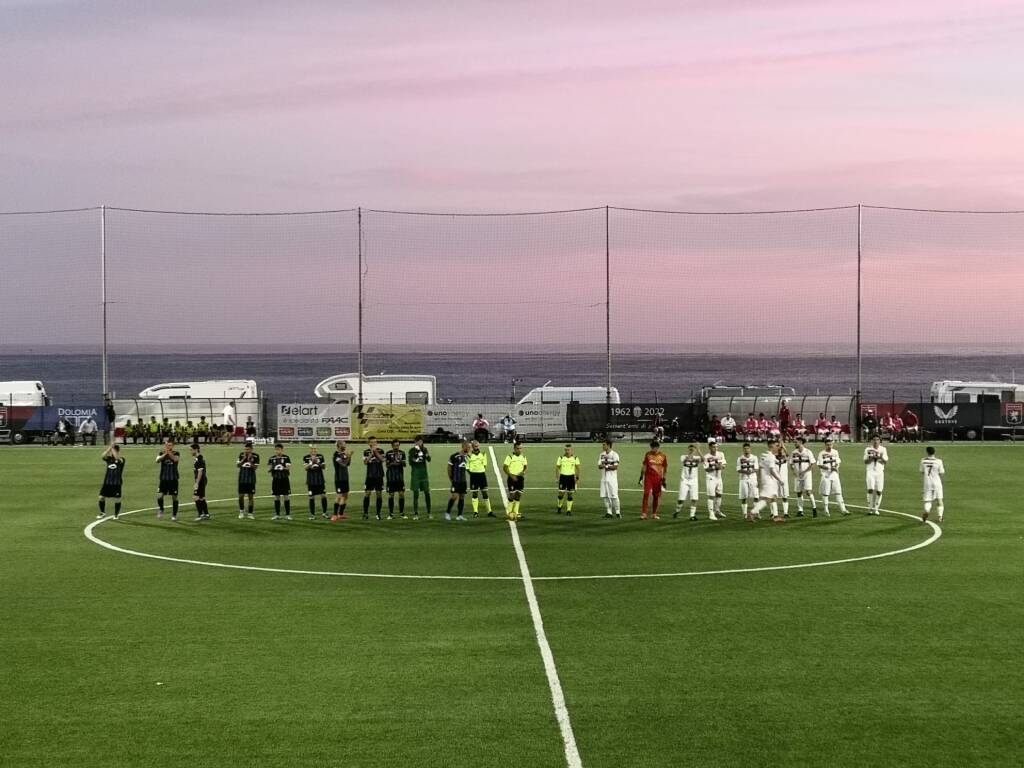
[659, 304]
[942, 300]
[734, 299]
[50, 304]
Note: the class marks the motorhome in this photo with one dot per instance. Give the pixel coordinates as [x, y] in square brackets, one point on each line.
[397, 389]
[976, 392]
[23, 393]
[220, 389]
[548, 395]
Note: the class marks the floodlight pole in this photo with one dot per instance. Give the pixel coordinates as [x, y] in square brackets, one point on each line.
[608, 308]
[860, 232]
[359, 214]
[103, 297]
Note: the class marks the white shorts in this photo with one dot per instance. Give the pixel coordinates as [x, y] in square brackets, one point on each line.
[610, 485]
[688, 489]
[830, 485]
[784, 488]
[770, 489]
[714, 486]
[748, 487]
[875, 481]
[933, 492]
[803, 483]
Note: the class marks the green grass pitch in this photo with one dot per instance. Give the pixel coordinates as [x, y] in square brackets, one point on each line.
[115, 660]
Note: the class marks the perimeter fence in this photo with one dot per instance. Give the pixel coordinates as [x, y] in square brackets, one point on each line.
[856, 300]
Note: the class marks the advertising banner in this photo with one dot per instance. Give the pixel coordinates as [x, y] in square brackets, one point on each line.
[635, 417]
[531, 420]
[388, 422]
[314, 421]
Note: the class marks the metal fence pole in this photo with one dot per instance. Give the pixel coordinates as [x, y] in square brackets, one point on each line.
[860, 382]
[103, 297]
[359, 214]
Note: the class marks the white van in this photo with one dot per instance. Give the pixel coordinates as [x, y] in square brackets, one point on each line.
[396, 389]
[565, 395]
[23, 393]
[976, 392]
[221, 389]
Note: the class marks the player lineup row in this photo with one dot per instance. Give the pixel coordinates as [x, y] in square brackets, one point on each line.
[764, 481]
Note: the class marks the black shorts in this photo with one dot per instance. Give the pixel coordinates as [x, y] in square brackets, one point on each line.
[396, 486]
[168, 487]
[341, 485]
[200, 489]
[478, 481]
[281, 486]
[110, 491]
[459, 488]
[567, 482]
[374, 484]
[245, 489]
[516, 483]
[316, 490]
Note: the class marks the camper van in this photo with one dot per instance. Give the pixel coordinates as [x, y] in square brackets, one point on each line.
[23, 393]
[976, 392]
[19, 417]
[223, 389]
[565, 395]
[396, 389]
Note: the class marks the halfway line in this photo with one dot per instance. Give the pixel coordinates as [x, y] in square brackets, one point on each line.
[572, 753]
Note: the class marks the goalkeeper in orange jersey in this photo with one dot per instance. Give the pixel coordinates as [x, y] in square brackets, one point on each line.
[655, 467]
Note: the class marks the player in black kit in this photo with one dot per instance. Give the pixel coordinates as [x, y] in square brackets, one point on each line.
[342, 459]
[373, 458]
[199, 484]
[395, 461]
[168, 460]
[314, 463]
[247, 462]
[280, 468]
[457, 473]
[112, 480]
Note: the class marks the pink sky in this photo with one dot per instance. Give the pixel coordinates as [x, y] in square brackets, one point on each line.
[725, 105]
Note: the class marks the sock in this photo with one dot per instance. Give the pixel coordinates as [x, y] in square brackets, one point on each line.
[825, 502]
[711, 507]
[679, 506]
[312, 508]
[718, 504]
[401, 505]
[758, 506]
[568, 504]
[117, 508]
[814, 504]
[842, 504]
[743, 508]
[785, 506]
[287, 506]
[366, 505]
[336, 505]
[341, 508]
[323, 505]
[775, 509]
[160, 503]
[426, 500]
[462, 504]
[561, 499]
[941, 510]
[799, 503]
[693, 509]
[476, 505]
[250, 505]
[451, 503]
[415, 503]
[487, 501]
[927, 506]
[391, 505]
[380, 504]
[618, 508]
[103, 506]
[277, 507]
[878, 501]
[241, 503]
[174, 506]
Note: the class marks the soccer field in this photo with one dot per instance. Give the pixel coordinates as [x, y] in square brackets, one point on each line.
[114, 659]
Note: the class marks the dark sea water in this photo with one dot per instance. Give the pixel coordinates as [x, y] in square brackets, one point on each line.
[487, 376]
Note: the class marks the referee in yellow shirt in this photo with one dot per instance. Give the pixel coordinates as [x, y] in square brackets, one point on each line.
[515, 471]
[476, 463]
[567, 470]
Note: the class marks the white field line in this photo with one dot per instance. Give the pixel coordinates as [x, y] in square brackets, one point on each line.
[91, 536]
[572, 753]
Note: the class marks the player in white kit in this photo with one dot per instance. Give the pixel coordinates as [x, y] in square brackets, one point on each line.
[770, 485]
[747, 467]
[689, 478]
[608, 464]
[932, 472]
[782, 470]
[875, 459]
[801, 460]
[714, 465]
[829, 462]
